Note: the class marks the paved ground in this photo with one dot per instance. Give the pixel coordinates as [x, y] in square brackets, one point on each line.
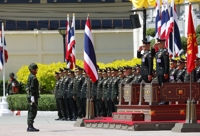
[16, 126]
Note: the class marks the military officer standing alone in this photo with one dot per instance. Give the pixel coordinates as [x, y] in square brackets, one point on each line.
[147, 61]
[162, 62]
[33, 95]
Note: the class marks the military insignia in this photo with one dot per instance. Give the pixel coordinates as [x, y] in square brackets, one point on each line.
[167, 53]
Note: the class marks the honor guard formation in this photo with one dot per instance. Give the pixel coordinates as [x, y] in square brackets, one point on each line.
[71, 86]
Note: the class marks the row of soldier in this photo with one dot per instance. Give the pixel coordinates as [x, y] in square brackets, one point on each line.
[71, 88]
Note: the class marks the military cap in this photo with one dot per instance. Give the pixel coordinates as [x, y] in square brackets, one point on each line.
[104, 71]
[182, 60]
[127, 67]
[70, 71]
[137, 66]
[145, 42]
[61, 70]
[113, 69]
[172, 60]
[99, 71]
[160, 40]
[120, 70]
[56, 73]
[78, 68]
[108, 69]
[66, 69]
[11, 74]
[33, 66]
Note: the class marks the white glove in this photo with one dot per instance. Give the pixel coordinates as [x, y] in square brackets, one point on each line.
[32, 99]
[13, 84]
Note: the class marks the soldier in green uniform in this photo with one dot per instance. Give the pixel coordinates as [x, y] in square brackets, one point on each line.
[65, 92]
[115, 89]
[162, 62]
[84, 89]
[60, 95]
[33, 95]
[181, 70]
[128, 73]
[173, 70]
[109, 101]
[187, 75]
[78, 82]
[138, 77]
[13, 85]
[147, 61]
[99, 102]
[197, 63]
[104, 93]
[56, 91]
[71, 101]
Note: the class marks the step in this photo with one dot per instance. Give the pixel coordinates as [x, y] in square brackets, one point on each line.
[128, 116]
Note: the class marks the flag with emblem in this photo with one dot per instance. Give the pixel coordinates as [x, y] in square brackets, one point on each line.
[3, 49]
[192, 48]
[89, 53]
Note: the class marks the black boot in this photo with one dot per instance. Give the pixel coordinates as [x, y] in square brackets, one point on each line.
[35, 128]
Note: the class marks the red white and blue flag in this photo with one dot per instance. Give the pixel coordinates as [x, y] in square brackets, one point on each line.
[70, 43]
[158, 19]
[175, 40]
[3, 49]
[89, 53]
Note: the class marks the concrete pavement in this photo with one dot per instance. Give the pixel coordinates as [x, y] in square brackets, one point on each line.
[16, 126]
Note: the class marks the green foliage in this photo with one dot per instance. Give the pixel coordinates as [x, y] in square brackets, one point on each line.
[198, 40]
[198, 30]
[151, 32]
[19, 102]
[152, 42]
[184, 42]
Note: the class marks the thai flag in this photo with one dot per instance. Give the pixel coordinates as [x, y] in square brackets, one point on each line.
[67, 37]
[164, 20]
[176, 46]
[71, 59]
[158, 17]
[89, 53]
[3, 58]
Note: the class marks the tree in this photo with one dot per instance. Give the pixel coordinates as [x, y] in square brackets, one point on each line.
[198, 30]
[184, 42]
[151, 32]
[152, 42]
[198, 40]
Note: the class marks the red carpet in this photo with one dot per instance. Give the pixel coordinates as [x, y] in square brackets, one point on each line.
[130, 123]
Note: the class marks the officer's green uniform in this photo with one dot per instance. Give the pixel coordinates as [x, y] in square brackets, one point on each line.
[162, 64]
[71, 101]
[104, 96]
[115, 92]
[78, 82]
[99, 103]
[33, 91]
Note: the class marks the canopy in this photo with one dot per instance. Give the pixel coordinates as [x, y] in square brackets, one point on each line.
[152, 3]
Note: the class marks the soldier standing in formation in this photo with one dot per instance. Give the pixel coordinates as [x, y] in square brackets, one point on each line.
[71, 101]
[115, 89]
[197, 63]
[173, 70]
[147, 61]
[162, 62]
[65, 92]
[83, 94]
[33, 95]
[78, 82]
[181, 70]
[99, 103]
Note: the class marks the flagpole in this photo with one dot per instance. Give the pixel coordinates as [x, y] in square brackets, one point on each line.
[74, 38]
[173, 31]
[4, 111]
[4, 66]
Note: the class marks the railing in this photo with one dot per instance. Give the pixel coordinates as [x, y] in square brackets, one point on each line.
[55, 24]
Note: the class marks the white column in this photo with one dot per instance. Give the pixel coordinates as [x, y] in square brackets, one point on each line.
[186, 16]
[138, 35]
[4, 111]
